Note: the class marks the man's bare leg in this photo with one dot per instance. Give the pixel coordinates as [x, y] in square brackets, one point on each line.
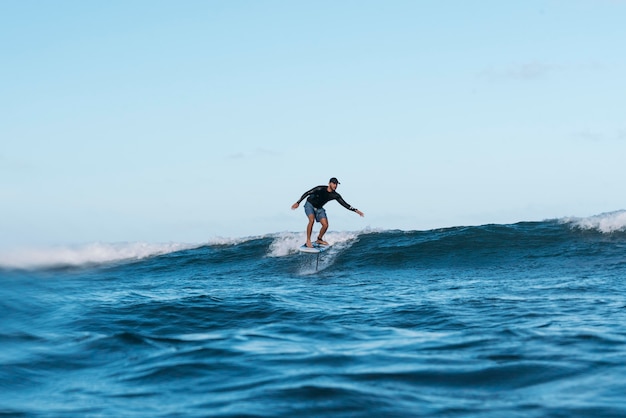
[320, 237]
[309, 230]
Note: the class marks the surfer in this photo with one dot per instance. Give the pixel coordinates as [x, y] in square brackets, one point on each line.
[318, 196]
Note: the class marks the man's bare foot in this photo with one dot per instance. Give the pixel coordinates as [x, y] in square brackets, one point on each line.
[308, 244]
[321, 242]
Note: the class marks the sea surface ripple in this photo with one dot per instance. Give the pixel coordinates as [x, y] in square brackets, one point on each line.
[521, 320]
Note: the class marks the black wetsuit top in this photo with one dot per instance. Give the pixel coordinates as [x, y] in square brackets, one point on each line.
[319, 196]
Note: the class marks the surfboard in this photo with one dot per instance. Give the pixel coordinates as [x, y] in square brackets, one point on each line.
[315, 250]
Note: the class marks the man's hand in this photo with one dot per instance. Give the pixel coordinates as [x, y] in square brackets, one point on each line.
[295, 206]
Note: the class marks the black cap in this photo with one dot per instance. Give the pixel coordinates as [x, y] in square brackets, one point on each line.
[334, 180]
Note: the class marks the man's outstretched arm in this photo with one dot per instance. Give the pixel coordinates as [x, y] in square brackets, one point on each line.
[347, 206]
[304, 196]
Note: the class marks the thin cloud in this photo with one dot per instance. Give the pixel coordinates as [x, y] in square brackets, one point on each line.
[588, 135]
[528, 71]
[257, 153]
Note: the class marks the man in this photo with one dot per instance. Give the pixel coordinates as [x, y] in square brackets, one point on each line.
[317, 197]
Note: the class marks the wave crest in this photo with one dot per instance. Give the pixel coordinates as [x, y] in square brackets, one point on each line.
[77, 255]
[288, 243]
[605, 222]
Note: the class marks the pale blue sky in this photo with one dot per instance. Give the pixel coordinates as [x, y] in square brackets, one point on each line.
[185, 120]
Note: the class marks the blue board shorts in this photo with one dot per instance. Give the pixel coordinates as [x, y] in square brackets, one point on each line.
[310, 210]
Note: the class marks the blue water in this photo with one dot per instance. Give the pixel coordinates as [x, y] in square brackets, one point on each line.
[521, 320]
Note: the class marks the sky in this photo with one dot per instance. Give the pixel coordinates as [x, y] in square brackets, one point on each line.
[180, 121]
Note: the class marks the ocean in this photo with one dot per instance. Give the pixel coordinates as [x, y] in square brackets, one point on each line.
[517, 320]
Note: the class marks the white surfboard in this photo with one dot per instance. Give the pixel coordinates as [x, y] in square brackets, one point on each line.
[315, 250]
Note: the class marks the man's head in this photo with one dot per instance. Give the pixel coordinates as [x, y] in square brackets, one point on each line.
[333, 182]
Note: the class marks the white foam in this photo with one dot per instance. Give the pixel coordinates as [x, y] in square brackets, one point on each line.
[288, 243]
[604, 222]
[283, 244]
[76, 255]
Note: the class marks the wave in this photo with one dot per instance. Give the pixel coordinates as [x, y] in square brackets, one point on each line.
[607, 223]
[288, 243]
[366, 244]
[86, 254]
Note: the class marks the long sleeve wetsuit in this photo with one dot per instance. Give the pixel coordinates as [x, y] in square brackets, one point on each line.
[318, 196]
